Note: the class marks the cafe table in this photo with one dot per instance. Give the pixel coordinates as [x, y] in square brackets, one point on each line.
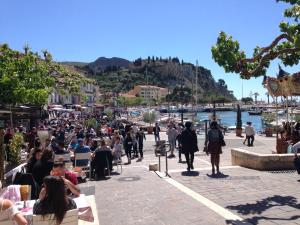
[85, 212]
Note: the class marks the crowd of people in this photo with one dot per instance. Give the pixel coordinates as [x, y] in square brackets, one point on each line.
[48, 158]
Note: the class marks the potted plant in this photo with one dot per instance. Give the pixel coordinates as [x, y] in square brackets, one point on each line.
[238, 128]
[268, 118]
[149, 117]
[15, 150]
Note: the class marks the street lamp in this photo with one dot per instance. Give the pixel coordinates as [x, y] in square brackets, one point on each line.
[182, 95]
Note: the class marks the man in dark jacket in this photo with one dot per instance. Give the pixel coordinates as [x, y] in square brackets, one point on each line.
[140, 136]
[189, 144]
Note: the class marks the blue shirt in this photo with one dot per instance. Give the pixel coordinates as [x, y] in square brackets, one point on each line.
[82, 149]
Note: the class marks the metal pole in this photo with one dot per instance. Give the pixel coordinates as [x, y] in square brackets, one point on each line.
[206, 129]
[159, 162]
[181, 95]
[148, 91]
[196, 84]
[167, 174]
[214, 111]
[181, 104]
[276, 117]
[169, 103]
[287, 109]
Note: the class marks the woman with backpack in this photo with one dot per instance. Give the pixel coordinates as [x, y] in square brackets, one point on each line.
[214, 143]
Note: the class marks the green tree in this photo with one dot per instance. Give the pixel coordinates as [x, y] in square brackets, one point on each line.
[221, 83]
[29, 79]
[247, 100]
[149, 117]
[255, 96]
[180, 94]
[285, 47]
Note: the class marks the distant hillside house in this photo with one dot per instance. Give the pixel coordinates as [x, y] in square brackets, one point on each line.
[148, 92]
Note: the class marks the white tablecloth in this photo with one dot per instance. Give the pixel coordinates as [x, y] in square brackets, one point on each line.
[84, 209]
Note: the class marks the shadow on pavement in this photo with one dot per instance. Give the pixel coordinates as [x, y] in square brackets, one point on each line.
[218, 176]
[190, 173]
[265, 204]
[115, 173]
[237, 222]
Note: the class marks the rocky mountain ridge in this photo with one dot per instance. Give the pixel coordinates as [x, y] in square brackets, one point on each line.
[120, 75]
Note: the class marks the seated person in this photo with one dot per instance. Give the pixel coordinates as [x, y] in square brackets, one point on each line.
[61, 149]
[102, 158]
[295, 147]
[94, 146]
[53, 199]
[36, 155]
[10, 212]
[69, 178]
[43, 166]
[73, 144]
[81, 148]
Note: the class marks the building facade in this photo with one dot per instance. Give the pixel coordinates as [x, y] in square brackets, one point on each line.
[89, 91]
[148, 92]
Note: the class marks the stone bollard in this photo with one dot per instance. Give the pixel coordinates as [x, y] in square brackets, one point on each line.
[153, 167]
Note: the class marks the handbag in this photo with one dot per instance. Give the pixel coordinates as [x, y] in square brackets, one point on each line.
[23, 178]
[221, 139]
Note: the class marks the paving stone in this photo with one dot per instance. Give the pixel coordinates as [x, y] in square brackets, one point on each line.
[259, 197]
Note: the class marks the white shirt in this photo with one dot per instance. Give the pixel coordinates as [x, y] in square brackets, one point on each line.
[172, 133]
[135, 129]
[249, 130]
[295, 147]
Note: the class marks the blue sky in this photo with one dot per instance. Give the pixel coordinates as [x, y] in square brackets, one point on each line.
[76, 30]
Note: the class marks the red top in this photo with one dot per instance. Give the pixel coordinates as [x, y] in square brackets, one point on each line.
[71, 177]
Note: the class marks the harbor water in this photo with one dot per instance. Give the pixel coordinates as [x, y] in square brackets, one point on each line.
[229, 119]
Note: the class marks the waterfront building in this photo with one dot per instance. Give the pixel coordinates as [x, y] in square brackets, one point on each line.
[148, 92]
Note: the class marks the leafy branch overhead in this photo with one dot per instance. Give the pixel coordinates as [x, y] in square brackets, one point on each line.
[27, 78]
[285, 47]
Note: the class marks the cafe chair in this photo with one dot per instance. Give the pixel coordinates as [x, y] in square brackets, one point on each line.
[103, 162]
[87, 167]
[62, 157]
[71, 218]
[117, 161]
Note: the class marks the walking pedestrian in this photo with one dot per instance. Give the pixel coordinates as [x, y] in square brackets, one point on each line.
[250, 132]
[156, 131]
[140, 136]
[128, 146]
[214, 145]
[172, 134]
[134, 143]
[189, 144]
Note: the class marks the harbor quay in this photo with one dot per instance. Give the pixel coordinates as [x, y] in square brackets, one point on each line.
[118, 113]
[238, 195]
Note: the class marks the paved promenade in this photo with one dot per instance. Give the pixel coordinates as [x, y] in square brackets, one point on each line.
[238, 196]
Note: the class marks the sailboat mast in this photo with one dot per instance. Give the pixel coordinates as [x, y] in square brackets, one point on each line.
[147, 87]
[196, 88]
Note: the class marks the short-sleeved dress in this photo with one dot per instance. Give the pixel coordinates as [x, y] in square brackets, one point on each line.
[214, 146]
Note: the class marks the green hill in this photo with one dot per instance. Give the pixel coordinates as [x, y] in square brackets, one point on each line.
[119, 75]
